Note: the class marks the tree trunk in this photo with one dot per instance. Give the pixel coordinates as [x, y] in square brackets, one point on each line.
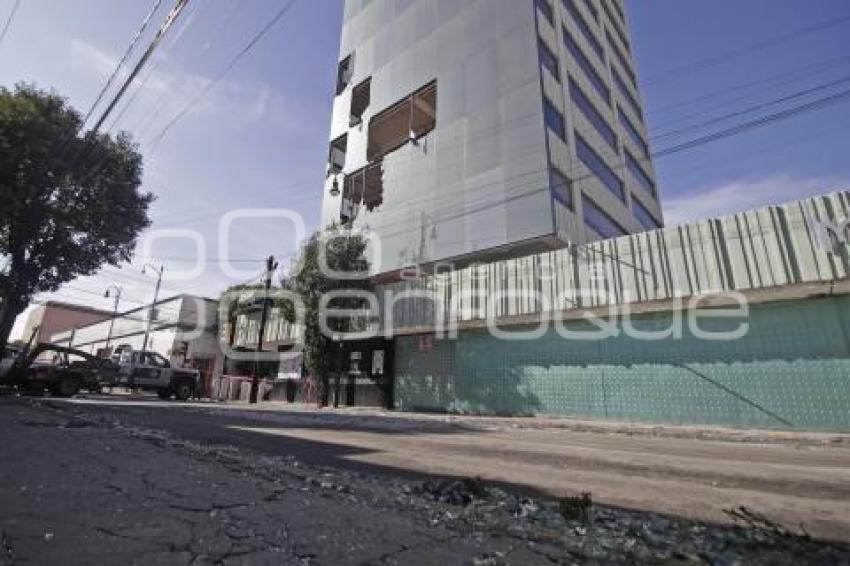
[9, 311]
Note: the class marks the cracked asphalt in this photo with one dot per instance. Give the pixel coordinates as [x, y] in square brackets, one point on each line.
[84, 485]
[74, 492]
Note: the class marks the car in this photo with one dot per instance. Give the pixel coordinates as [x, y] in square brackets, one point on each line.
[150, 371]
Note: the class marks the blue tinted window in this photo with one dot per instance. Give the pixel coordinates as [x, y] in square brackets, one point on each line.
[626, 93]
[619, 10]
[600, 221]
[583, 62]
[633, 132]
[594, 117]
[639, 174]
[621, 58]
[592, 9]
[546, 8]
[554, 119]
[616, 23]
[643, 216]
[585, 29]
[560, 187]
[596, 164]
[548, 60]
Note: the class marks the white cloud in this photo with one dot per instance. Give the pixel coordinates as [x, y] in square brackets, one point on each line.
[167, 89]
[99, 65]
[744, 194]
[88, 57]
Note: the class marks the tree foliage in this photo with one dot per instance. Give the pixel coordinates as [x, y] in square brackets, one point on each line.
[68, 203]
[345, 252]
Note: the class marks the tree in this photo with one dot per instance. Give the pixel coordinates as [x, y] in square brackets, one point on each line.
[68, 203]
[344, 253]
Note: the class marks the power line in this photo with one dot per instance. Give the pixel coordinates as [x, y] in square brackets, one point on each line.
[245, 50]
[740, 128]
[163, 29]
[173, 14]
[715, 60]
[703, 140]
[168, 90]
[180, 3]
[792, 96]
[124, 58]
[757, 123]
[771, 81]
[154, 66]
[148, 120]
[8, 23]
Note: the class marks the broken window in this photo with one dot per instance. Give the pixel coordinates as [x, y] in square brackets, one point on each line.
[373, 186]
[352, 194]
[343, 74]
[336, 158]
[362, 187]
[423, 113]
[404, 121]
[360, 97]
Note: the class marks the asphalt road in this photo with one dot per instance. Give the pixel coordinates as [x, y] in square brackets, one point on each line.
[76, 491]
[793, 480]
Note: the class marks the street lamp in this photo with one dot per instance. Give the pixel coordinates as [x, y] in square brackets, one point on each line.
[116, 293]
[335, 186]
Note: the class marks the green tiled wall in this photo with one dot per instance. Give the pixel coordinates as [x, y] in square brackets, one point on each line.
[791, 370]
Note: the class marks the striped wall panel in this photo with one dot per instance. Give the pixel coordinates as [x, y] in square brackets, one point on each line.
[759, 249]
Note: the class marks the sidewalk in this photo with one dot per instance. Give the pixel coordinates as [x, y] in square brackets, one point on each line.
[496, 423]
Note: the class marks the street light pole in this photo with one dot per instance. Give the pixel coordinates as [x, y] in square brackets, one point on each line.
[153, 304]
[117, 293]
[255, 379]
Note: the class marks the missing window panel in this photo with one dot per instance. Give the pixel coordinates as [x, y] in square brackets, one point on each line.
[402, 122]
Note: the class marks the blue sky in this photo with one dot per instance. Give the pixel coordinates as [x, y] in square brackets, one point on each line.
[259, 139]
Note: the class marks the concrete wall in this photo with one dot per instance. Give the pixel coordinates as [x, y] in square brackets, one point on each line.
[53, 318]
[791, 370]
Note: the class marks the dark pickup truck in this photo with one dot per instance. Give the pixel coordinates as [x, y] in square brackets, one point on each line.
[60, 370]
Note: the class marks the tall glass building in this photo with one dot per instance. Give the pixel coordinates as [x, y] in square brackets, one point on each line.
[471, 130]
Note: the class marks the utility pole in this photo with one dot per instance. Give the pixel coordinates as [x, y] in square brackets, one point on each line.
[339, 369]
[255, 379]
[153, 303]
[117, 293]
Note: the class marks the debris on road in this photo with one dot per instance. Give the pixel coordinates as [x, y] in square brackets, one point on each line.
[455, 492]
[269, 507]
[576, 508]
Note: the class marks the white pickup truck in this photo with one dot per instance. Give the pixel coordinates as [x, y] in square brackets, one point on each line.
[150, 371]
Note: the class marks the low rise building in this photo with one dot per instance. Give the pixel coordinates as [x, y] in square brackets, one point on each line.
[183, 329]
[54, 317]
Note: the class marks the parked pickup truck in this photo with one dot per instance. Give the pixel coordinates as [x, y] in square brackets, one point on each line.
[150, 371]
[60, 370]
